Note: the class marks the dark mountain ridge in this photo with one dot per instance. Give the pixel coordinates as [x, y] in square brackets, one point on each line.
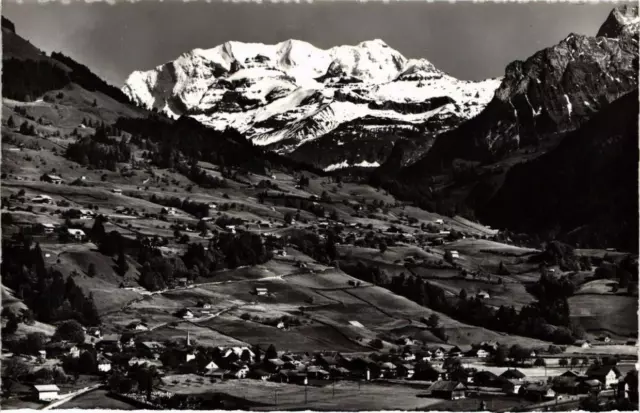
[553, 92]
[585, 190]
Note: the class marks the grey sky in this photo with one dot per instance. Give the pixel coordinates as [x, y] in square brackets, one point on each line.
[467, 40]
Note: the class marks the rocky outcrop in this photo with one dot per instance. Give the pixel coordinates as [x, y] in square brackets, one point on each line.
[553, 92]
[622, 20]
[584, 191]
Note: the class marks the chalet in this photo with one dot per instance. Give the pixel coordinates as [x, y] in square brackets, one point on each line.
[483, 295]
[293, 377]
[203, 305]
[182, 281]
[605, 339]
[405, 370]
[150, 348]
[210, 367]
[449, 390]
[455, 254]
[513, 374]
[511, 386]
[76, 234]
[104, 365]
[212, 205]
[328, 361]
[388, 369]
[485, 378]
[138, 326]
[86, 214]
[262, 291]
[239, 372]
[318, 373]
[535, 391]
[340, 372]
[438, 353]
[274, 365]
[109, 346]
[260, 375]
[478, 353]
[574, 375]
[281, 253]
[42, 199]
[455, 352]
[168, 211]
[439, 222]
[94, 332]
[607, 375]
[48, 228]
[231, 228]
[565, 385]
[444, 232]
[46, 392]
[583, 343]
[407, 356]
[117, 191]
[52, 179]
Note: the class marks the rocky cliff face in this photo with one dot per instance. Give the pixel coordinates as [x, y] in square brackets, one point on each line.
[551, 93]
[622, 20]
[585, 190]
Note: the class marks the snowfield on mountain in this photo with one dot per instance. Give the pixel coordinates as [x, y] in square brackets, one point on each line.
[290, 93]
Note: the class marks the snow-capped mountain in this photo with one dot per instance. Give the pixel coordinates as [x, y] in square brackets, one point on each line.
[291, 93]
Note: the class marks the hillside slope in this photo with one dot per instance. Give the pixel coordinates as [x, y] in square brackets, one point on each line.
[583, 188]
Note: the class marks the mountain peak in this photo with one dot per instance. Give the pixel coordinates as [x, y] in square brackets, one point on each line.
[622, 19]
[373, 43]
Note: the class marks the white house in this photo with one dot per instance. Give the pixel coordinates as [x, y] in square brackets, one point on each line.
[231, 228]
[444, 232]
[455, 254]
[46, 392]
[261, 291]
[76, 234]
[483, 294]
[280, 325]
[213, 205]
[117, 191]
[211, 366]
[439, 221]
[42, 199]
[169, 211]
[48, 228]
[481, 353]
[187, 315]
[140, 326]
[190, 356]
[104, 365]
[86, 214]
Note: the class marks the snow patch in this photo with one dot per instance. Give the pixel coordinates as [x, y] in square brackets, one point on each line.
[569, 106]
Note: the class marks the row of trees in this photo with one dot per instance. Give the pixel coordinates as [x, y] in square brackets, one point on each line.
[534, 320]
[44, 290]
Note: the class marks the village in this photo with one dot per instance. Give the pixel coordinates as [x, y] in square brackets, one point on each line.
[320, 314]
[150, 373]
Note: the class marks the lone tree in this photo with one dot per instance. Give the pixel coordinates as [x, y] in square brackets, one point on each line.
[123, 267]
[271, 353]
[91, 271]
[433, 321]
[382, 246]
[540, 362]
[563, 362]
[70, 330]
